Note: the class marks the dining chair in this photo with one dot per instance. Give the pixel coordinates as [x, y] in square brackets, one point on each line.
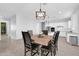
[51, 46]
[45, 50]
[55, 42]
[28, 45]
[45, 32]
[53, 37]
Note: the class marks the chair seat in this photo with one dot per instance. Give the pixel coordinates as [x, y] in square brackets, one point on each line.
[46, 47]
[45, 50]
[34, 46]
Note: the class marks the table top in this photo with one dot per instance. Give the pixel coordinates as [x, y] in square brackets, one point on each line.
[43, 40]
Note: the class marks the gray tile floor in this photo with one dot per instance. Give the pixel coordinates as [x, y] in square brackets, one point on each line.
[14, 47]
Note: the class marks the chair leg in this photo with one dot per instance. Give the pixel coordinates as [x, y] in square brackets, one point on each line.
[41, 52]
[38, 51]
[31, 52]
[54, 52]
[25, 52]
[51, 52]
[47, 53]
[56, 47]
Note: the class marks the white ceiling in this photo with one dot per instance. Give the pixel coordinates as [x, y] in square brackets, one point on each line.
[54, 10]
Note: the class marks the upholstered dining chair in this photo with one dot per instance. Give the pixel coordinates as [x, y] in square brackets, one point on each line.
[28, 45]
[45, 50]
[45, 32]
[51, 46]
[55, 42]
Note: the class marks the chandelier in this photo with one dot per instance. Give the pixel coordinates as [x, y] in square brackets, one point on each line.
[40, 15]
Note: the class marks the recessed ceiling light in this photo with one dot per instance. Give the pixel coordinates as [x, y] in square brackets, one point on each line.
[59, 12]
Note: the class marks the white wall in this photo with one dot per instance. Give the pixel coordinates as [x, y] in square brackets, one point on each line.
[19, 23]
[75, 22]
[0, 31]
[25, 23]
[70, 24]
[10, 24]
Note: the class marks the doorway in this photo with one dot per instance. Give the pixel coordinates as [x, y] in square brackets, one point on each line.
[4, 34]
[3, 28]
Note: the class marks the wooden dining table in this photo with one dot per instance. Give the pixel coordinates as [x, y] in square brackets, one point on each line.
[42, 40]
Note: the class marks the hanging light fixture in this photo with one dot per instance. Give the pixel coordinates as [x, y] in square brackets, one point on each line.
[40, 15]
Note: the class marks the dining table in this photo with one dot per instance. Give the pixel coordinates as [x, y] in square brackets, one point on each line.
[42, 40]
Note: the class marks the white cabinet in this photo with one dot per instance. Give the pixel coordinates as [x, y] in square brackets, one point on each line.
[64, 31]
[73, 38]
[62, 34]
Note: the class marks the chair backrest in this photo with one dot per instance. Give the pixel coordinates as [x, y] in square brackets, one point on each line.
[56, 37]
[45, 32]
[27, 39]
[30, 32]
